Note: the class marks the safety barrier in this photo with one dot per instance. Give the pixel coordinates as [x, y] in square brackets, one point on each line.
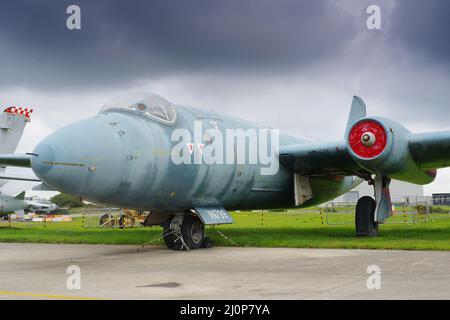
[86, 217]
[32, 220]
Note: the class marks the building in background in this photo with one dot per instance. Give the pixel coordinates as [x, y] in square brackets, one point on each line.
[441, 199]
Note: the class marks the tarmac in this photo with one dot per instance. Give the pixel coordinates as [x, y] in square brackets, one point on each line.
[54, 271]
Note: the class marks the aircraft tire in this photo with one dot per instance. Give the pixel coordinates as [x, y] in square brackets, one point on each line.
[125, 222]
[170, 238]
[193, 231]
[364, 218]
[106, 221]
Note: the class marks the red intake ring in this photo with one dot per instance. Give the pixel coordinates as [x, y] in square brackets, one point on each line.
[367, 139]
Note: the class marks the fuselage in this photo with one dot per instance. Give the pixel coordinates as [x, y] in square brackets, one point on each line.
[125, 158]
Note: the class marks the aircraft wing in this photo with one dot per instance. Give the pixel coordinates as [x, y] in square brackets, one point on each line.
[329, 158]
[372, 146]
[312, 159]
[431, 150]
[11, 176]
[424, 152]
[15, 160]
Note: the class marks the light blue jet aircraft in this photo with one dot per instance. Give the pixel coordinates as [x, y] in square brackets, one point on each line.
[143, 152]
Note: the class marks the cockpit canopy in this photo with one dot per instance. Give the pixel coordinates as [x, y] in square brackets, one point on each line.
[146, 104]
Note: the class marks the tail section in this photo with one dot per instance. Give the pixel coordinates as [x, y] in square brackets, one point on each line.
[20, 196]
[12, 123]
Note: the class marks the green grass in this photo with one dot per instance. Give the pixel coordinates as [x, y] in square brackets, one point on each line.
[294, 230]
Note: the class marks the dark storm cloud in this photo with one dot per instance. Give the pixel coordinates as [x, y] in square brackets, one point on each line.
[423, 28]
[130, 40]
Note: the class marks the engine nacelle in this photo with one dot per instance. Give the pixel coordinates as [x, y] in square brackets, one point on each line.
[381, 146]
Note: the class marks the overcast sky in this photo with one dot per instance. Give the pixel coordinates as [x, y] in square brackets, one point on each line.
[290, 64]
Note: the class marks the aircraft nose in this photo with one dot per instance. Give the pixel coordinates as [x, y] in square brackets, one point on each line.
[67, 159]
[41, 152]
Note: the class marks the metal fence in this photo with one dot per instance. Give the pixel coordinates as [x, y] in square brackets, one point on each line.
[32, 220]
[87, 217]
[340, 213]
[412, 210]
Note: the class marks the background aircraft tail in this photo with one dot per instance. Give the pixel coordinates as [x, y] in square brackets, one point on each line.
[12, 123]
[20, 196]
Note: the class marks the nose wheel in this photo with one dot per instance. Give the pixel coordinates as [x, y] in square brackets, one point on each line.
[184, 232]
[365, 223]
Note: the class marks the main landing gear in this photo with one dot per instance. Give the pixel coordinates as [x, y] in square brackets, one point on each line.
[369, 212]
[185, 232]
[365, 223]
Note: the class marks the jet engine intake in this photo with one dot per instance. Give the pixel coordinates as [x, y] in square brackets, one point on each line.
[381, 146]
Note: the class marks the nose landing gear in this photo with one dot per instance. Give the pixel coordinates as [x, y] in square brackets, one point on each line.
[184, 232]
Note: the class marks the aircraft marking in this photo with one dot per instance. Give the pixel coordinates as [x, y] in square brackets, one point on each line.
[63, 163]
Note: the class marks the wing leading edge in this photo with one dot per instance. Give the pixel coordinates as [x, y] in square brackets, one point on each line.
[10, 176]
[15, 160]
[311, 159]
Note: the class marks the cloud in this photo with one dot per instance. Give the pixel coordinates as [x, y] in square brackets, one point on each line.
[423, 28]
[121, 42]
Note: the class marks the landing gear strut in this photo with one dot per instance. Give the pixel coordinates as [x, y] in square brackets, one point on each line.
[369, 212]
[184, 232]
[365, 223]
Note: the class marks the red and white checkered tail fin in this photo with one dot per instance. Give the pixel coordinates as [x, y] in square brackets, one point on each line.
[12, 123]
[19, 111]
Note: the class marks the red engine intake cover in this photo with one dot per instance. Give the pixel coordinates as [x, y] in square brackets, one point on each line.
[355, 139]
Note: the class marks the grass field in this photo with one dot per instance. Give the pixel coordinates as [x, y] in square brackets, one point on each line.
[294, 229]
